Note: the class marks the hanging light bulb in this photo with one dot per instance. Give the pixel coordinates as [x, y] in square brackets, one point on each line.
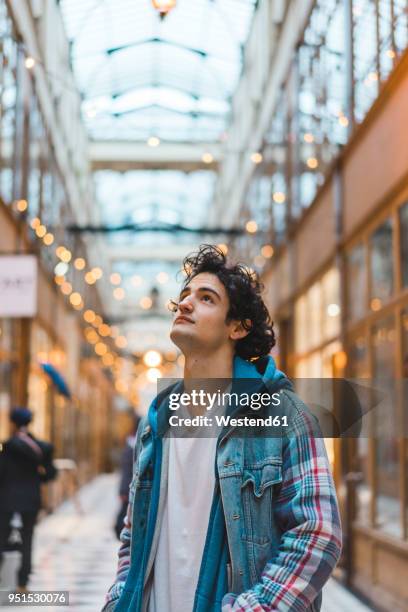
[164, 6]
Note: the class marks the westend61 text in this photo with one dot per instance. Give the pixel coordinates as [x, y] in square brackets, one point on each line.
[228, 421]
[255, 401]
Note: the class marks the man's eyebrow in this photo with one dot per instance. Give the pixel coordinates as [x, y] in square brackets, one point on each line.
[202, 289]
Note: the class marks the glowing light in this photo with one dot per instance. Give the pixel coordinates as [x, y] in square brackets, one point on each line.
[41, 230]
[343, 121]
[66, 288]
[104, 330]
[312, 162]
[63, 254]
[79, 263]
[223, 248]
[90, 278]
[29, 62]
[115, 278]
[97, 321]
[162, 278]
[108, 359]
[119, 293]
[279, 197]
[373, 76]
[48, 239]
[308, 137]
[164, 6]
[333, 310]
[153, 374]
[121, 342]
[97, 272]
[153, 141]
[267, 251]
[390, 53]
[89, 316]
[92, 336]
[375, 304]
[35, 223]
[146, 302]
[152, 358]
[100, 349]
[61, 268]
[340, 360]
[75, 298]
[207, 158]
[21, 205]
[251, 227]
[256, 157]
[59, 280]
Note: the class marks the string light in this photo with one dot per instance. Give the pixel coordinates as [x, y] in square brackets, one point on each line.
[146, 302]
[207, 158]
[119, 293]
[153, 141]
[279, 197]
[115, 278]
[256, 157]
[48, 239]
[79, 263]
[312, 162]
[267, 251]
[29, 62]
[251, 227]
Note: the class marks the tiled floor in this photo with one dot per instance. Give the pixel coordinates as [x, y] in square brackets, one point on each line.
[77, 552]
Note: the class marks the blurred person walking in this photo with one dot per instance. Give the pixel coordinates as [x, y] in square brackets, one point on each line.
[25, 462]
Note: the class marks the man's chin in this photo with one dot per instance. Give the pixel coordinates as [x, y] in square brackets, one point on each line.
[181, 336]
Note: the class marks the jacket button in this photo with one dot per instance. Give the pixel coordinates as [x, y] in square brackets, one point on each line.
[147, 429]
[227, 463]
[235, 517]
[241, 572]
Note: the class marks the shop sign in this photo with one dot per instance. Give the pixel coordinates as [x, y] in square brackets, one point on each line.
[18, 285]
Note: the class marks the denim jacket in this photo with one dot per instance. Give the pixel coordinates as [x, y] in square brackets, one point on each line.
[280, 508]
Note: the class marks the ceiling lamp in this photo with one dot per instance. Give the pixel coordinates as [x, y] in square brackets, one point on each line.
[164, 6]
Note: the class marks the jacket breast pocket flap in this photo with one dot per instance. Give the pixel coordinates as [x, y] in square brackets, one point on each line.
[262, 476]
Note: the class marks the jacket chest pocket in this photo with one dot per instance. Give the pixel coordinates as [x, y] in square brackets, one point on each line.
[260, 482]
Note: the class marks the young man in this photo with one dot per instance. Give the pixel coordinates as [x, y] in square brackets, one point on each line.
[238, 523]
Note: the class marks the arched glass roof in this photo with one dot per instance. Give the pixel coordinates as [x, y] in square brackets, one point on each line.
[142, 76]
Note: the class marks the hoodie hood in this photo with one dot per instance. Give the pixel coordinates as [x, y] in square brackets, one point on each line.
[261, 373]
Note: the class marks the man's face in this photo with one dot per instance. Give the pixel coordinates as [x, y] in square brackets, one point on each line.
[200, 320]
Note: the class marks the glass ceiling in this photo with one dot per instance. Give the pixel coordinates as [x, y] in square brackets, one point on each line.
[140, 76]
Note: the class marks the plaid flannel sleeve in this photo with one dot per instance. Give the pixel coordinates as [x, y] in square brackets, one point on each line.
[116, 589]
[307, 512]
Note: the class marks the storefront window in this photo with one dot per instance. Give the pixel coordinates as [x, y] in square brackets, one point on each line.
[7, 372]
[382, 273]
[356, 283]
[404, 243]
[386, 429]
[8, 99]
[403, 399]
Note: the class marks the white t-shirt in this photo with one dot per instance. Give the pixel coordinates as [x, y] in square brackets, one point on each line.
[184, 526]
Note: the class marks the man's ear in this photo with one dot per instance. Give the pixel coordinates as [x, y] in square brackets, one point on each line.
[238, 330]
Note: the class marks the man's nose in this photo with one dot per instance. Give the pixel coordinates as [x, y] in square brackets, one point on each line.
[185, 305]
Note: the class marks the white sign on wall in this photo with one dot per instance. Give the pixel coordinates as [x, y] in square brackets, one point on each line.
[18, 285]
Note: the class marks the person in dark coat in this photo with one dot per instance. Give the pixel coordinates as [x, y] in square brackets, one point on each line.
[25, 463]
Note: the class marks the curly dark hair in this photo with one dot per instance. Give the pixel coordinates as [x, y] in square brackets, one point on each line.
[244, 292]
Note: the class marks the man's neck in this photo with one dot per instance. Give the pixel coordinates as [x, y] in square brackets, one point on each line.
[216, 365]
